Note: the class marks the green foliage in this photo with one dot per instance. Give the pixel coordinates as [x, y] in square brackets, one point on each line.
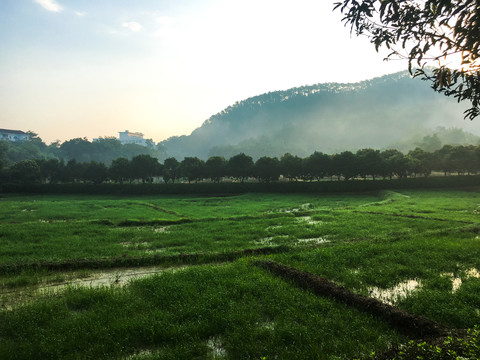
[25, 171]
[451, 348]
[240, 167]
[144, 167]
[315, 118]
[267, 169]
[192, 169]
[170, 170]
[422, 31]
[119, 169]
[234, 310]
[216, 168]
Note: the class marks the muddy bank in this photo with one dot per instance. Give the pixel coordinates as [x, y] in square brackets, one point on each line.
[48, 285]
[411, 325]
[130, 261]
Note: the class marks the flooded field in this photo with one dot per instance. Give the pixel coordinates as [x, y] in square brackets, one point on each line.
[89, 279]
[68, 264]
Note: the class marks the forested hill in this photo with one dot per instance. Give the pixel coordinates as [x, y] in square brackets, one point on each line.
[324, 117]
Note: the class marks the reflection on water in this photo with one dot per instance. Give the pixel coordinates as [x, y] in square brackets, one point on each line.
[457, 281]
[111, 277]
[392, 295]
[215, 347]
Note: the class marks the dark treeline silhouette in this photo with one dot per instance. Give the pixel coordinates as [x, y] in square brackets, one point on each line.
[364, 164]
[103, 150]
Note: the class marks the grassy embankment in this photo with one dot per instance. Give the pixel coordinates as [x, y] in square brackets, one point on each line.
[368, 243]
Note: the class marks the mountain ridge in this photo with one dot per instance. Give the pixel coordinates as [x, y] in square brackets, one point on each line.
[325, 117]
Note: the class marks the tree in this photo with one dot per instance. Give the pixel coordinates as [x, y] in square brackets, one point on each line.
[430, 143]
[144, 167]
[291, 166]
[345, 164]
[421, 161]
[51, 170]
[267, 169]
[426, 32]
[119, 169]
[73, 171]
[240, 167]
[78, 149]
[215, 168]
[3, 153]
[170, 169]
[318, 165]
[369, 162]
[25, 171]
[96, 172]
[395, 163]
[192, 168]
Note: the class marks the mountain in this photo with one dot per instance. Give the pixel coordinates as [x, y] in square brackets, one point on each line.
[327, 117]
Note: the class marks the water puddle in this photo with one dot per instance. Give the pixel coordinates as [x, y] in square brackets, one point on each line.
[312, 241]
[135, 245]
[392, 295]
[473, 273]
[266, 325]
[273, 227]
[111, 277]
[270, 240]
[457, 281]
[264, 241]
[155, 251]
[306, 206]
[215, 346]
[162, 229]
[308, 220]
[140, 355]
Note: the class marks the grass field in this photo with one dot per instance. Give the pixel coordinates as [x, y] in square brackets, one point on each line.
[198, 293]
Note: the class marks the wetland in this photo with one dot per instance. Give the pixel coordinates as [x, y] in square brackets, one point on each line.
[177, 277]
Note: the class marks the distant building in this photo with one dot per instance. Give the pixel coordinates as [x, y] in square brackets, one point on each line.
[127, 137]
[13, 135]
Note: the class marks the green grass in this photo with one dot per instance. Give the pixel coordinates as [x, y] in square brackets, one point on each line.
[362, 241]
[60, 228]
[240, 308]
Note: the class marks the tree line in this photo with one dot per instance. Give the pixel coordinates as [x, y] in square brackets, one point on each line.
[103, 150]
[362, 164]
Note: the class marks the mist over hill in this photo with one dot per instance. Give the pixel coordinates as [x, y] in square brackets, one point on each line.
[331, 117]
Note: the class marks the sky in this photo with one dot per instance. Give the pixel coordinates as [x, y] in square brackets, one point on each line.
[92, 68]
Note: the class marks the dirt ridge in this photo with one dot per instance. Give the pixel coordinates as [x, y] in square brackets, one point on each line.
[137, 261]
[410, 324]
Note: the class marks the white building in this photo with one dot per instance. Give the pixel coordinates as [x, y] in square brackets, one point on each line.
[13, 135]
[127, 137]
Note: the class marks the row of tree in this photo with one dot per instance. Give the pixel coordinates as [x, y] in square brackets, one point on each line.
[365, 163]
[103, 150]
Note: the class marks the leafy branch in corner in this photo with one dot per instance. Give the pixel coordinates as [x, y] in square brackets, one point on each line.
[426, 33]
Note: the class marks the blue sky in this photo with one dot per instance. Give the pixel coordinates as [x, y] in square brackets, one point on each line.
[90, 68]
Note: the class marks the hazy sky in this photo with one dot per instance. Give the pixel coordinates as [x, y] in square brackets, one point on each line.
[91, 68]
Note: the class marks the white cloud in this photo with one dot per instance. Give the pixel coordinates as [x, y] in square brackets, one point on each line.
[80, 13]
[132, 25]
[50, 5]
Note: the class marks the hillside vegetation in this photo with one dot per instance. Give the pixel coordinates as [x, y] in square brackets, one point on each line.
[323, 117]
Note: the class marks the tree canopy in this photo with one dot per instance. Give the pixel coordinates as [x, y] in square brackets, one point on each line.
[426, 33]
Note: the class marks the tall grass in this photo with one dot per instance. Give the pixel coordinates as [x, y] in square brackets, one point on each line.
[364, 242]
[233, 310]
